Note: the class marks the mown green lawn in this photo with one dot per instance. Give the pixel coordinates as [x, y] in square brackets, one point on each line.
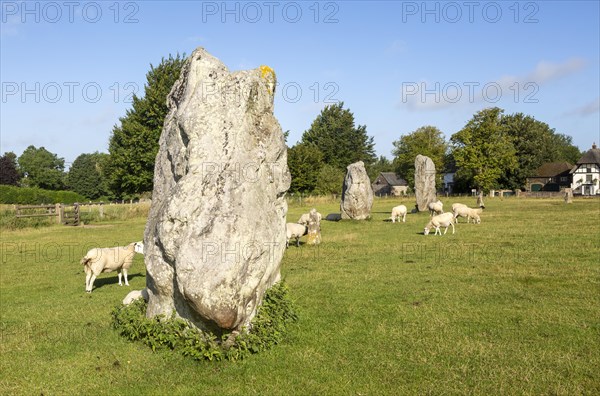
[510, 306]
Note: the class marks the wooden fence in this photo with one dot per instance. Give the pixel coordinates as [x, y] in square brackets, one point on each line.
[65, 214]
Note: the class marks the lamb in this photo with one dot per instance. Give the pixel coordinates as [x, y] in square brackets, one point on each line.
[442, 220]
[294, 230]
[436, 207]
[100, 260]
[399, 211]
[464, 211]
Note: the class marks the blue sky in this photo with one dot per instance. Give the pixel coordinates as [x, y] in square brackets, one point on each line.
[68, 68]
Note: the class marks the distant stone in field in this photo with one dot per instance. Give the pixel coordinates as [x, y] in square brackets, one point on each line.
[357, 193]
[314, 228]
[424, 182]
[215, 234]
[568, 195]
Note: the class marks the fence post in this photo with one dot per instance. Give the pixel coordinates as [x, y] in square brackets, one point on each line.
[57, 212]
[76, 220]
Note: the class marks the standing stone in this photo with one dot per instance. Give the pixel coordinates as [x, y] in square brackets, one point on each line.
[424, 182]
[357, 193]
[314, 228]
[480, 199]
[215, 234]
[568, 195]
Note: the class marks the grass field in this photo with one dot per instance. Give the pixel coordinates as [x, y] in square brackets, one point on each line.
[510, 306]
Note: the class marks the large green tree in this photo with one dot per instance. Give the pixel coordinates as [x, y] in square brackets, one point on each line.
[484, 151]
[535, 143]
[426, 140]
[133, 144]
[86, 176]
[9, 173]
[304, 161]
[41, 168]
[334, 133]
[329, 180]
[381, 165]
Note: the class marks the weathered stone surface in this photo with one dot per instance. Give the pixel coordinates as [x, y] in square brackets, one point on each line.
[314, 228]
[424, 182]
[357, 193]
[216, 230]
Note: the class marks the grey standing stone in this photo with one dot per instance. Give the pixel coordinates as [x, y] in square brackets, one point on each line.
[215, 234]
[357, 193]
[424, 182]
[568, 195]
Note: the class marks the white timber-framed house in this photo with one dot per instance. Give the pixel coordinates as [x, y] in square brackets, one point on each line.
[586, 173]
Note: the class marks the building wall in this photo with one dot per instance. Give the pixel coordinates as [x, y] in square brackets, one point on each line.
[586, 179]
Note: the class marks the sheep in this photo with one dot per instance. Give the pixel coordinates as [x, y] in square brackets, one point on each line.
[436, 207]
[464, 211]
[294, 230]
[134, 295]
[454, 207]
[399, 211]
[442, 220]
[100, 260]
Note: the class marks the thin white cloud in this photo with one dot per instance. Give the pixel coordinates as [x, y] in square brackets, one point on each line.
[425, 95]
[587, 109]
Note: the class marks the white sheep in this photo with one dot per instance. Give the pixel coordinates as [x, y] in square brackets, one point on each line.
[100, 260]
[436, 207]
[469, 213]
[134, 295]
[442, 220]
[454, 207]
[399, 211]
[294, 230]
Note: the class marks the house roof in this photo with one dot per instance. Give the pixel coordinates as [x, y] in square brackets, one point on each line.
[592, 156]
[551, 169]
[393, 179]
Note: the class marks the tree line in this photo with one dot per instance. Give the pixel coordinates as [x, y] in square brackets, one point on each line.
[493, 150]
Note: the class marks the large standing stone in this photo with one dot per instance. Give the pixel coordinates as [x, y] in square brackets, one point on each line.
[424, 182]
[357, 193]
[216, 230]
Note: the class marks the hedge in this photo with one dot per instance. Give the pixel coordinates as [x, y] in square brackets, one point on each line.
[37, 196]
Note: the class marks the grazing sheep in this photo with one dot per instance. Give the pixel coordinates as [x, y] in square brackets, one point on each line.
[100, 260]
[454, 207]
[435, 207]
[464, 211]
[442, 220]
[294, 230]
[399, 211]
[134, 295]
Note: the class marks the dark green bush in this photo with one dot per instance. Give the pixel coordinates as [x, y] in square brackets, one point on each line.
[268, 328]
[37, 196]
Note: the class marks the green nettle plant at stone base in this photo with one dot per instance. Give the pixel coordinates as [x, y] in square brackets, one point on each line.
[268, 328]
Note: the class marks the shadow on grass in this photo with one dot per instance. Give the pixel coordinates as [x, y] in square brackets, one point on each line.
[113, 280]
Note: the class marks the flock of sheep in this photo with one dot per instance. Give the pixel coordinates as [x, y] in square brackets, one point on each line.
[436, 209]
[120, 258]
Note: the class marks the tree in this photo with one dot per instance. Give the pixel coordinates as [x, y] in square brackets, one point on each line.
[381, 165]
[333, 132]
[86, 176]
[42, 168]
[483, 150]
[134, 144]
[304, 161]
[329, 180]
[426, 140]
[9, 174]
[535, 143]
